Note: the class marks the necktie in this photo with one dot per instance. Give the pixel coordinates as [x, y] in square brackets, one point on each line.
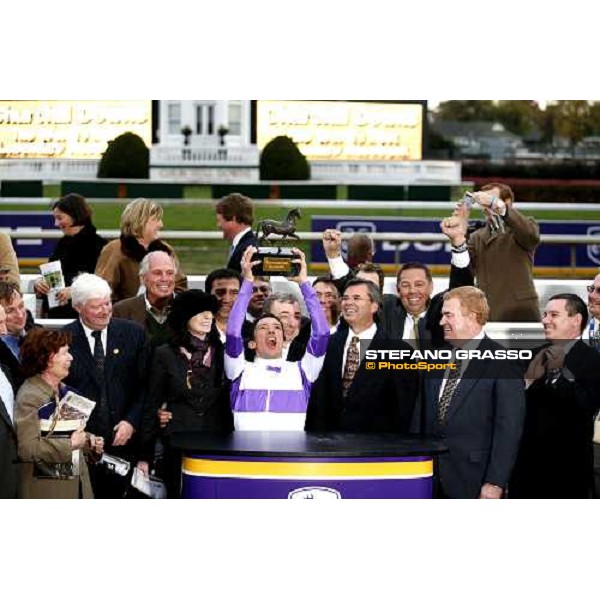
[416, 336]
[446, 397]
[351, 366]
[102, 411]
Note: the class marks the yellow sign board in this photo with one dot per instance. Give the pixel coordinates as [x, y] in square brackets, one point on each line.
[69, 128]
[328, 130]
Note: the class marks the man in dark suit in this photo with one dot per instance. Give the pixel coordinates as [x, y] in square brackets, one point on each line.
[109, 367]
[349, 397]
[150, 310]
[412, 314]
[476, 408]
[9, 466]
[563, 395]
[235, 215]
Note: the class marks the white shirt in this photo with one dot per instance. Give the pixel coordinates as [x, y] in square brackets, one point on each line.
[409, 326]
[238, 237]
[91, 340]
[7, 395]
[367, 334]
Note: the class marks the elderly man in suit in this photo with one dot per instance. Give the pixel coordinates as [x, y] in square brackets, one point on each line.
[109, 367]
[235, 215]
[476, 408]
[150, 310]
[556, 457]
[347, 396]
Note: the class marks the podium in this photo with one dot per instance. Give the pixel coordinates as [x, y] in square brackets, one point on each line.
[298, 465]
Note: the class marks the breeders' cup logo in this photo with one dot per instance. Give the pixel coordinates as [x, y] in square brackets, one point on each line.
[314, 493]
[593, 250]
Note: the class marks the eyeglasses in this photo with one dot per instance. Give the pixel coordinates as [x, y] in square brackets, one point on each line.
[591, 289]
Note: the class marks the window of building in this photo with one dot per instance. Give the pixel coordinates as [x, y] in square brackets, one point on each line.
[234, 117]
[205, 119]
[174, 118]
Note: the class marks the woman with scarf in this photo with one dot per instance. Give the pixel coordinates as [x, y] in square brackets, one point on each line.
[119, 262]
[188, 391]
[77, 251]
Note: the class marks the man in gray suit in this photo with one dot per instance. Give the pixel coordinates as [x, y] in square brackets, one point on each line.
[476, 409]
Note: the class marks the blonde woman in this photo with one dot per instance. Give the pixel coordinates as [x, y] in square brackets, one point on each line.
[119, 261]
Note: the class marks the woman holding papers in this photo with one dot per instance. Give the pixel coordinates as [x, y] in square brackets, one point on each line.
[50, 432]
[78, 251]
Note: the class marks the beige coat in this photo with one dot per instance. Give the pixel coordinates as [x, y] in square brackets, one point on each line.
[123, 272]
[33, 448]
[503, 264]
[8, 258]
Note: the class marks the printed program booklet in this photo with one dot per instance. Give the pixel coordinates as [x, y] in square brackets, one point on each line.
[53, 276]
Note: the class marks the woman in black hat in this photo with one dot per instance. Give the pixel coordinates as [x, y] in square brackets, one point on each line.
[188, 390]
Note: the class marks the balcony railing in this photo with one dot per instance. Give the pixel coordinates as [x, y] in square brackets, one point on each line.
[161, 156]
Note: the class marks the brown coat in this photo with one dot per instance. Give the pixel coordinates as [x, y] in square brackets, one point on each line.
[33, 448]
[123, 272]
[503, 264]
[132, 309]
[8, 258]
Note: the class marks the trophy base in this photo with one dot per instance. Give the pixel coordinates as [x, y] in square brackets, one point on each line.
[275, 261]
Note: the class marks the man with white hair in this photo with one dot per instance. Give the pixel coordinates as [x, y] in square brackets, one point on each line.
[157, 274]
[109, 367]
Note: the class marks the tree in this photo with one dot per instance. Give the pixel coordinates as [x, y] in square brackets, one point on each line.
[572, 119]
[521, 117]
[466, 110]
[125, 157]
[282, 160]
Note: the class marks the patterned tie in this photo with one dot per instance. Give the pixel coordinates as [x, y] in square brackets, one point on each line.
[416, 337]
[446, 397]
[102, 412]
[351, 366]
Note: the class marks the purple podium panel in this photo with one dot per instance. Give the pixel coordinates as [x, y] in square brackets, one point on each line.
[311, 478]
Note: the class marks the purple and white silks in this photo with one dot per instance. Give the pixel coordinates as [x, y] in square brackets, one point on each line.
[272, 394]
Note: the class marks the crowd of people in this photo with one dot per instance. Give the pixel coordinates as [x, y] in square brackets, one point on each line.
[158, 359]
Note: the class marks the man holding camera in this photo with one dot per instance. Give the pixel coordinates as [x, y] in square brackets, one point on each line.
[502, 254]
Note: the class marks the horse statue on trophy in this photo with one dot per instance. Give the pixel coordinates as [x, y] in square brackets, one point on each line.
[285, 228]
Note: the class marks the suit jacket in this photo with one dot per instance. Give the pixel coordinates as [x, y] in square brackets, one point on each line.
[377, 401]
[482, 427]
[125, 372]
[9, 467]
[248, 239]
[556, 453]
[131, 309]
[503, 264]
[431, 334]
